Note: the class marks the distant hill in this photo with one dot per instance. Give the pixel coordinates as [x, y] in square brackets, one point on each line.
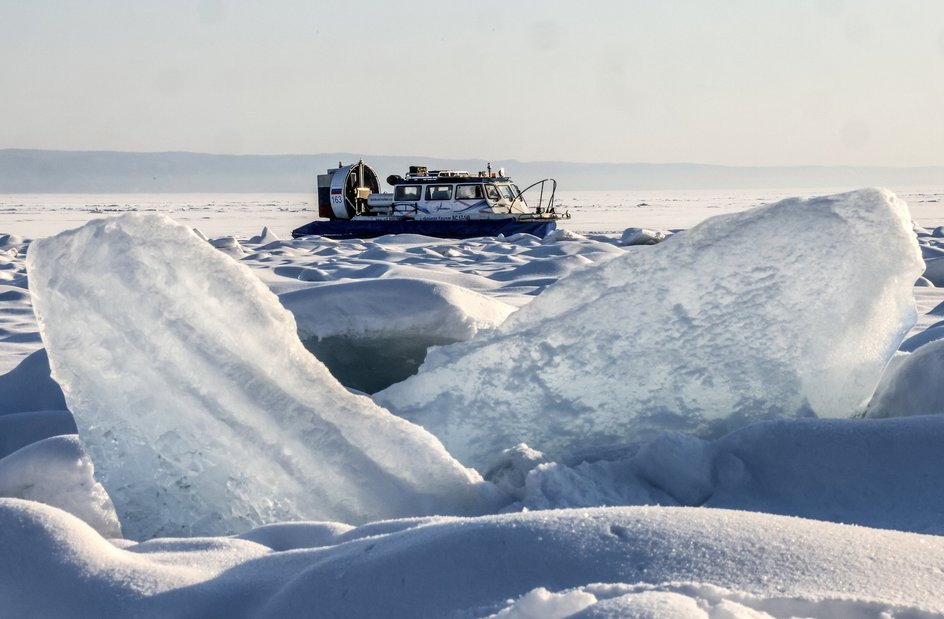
[45, 171]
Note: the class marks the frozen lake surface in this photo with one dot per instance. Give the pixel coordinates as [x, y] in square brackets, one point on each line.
[678, 394]
[243, 215]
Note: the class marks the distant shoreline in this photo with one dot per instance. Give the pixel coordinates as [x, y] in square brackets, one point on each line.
[25, 171]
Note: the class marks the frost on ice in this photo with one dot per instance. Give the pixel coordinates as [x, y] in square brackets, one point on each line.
[201, 409]
[790, 309]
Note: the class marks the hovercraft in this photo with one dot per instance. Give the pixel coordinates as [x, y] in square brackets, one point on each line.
[438, 203]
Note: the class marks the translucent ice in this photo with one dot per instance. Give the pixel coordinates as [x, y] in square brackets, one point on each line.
[790, 309]
[201, 409]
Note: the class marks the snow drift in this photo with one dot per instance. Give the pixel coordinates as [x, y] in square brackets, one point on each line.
[199, 406]
[375, 332]
[616, 559]
[393, 307]
[868, 472]
[912, 384]
[58, 472]
[786, 310]
[29, 387]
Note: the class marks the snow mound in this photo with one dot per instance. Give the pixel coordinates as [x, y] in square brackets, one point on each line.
[265, 237]
[561, 234]
[57, 471]
[931, 334]
[912, 384]
[200, 407]
[373, 333]
[934, 271]
[295, 535]
[546, 563]
[868, 472]
[17, 430]
[687, 600]
[393, 307]
[641, 236]
[11, 240]
[29, 387]
[228, 245]
[786, 310]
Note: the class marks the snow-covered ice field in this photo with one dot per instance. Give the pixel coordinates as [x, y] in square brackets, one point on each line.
[243, 215]
[743, 420]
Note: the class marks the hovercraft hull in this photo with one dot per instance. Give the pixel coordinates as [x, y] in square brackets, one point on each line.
[444, 229]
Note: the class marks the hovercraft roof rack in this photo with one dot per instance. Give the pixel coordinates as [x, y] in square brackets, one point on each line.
[422, 173]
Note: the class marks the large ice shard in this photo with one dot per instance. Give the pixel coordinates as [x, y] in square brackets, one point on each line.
[201, 409]
[790, 309]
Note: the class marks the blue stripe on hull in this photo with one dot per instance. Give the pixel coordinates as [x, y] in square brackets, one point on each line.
[464, 229]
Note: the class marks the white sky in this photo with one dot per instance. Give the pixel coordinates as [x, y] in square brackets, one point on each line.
[749, 82]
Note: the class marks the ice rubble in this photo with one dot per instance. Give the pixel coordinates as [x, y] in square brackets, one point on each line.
[201, 409]
[641, 236]
[790, 309]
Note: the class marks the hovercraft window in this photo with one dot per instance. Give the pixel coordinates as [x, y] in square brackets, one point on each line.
[492, 192]
[439, 192]
[469, 192]
[506, 192]
[517, 193]
[406, 193]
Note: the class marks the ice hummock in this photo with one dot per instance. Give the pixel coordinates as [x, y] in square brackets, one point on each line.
[787, 310]
[199, 406]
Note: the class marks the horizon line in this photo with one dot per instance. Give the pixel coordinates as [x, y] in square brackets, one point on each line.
[525, 161]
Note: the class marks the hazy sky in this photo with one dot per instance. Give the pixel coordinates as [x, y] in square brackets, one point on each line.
[766, 82]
